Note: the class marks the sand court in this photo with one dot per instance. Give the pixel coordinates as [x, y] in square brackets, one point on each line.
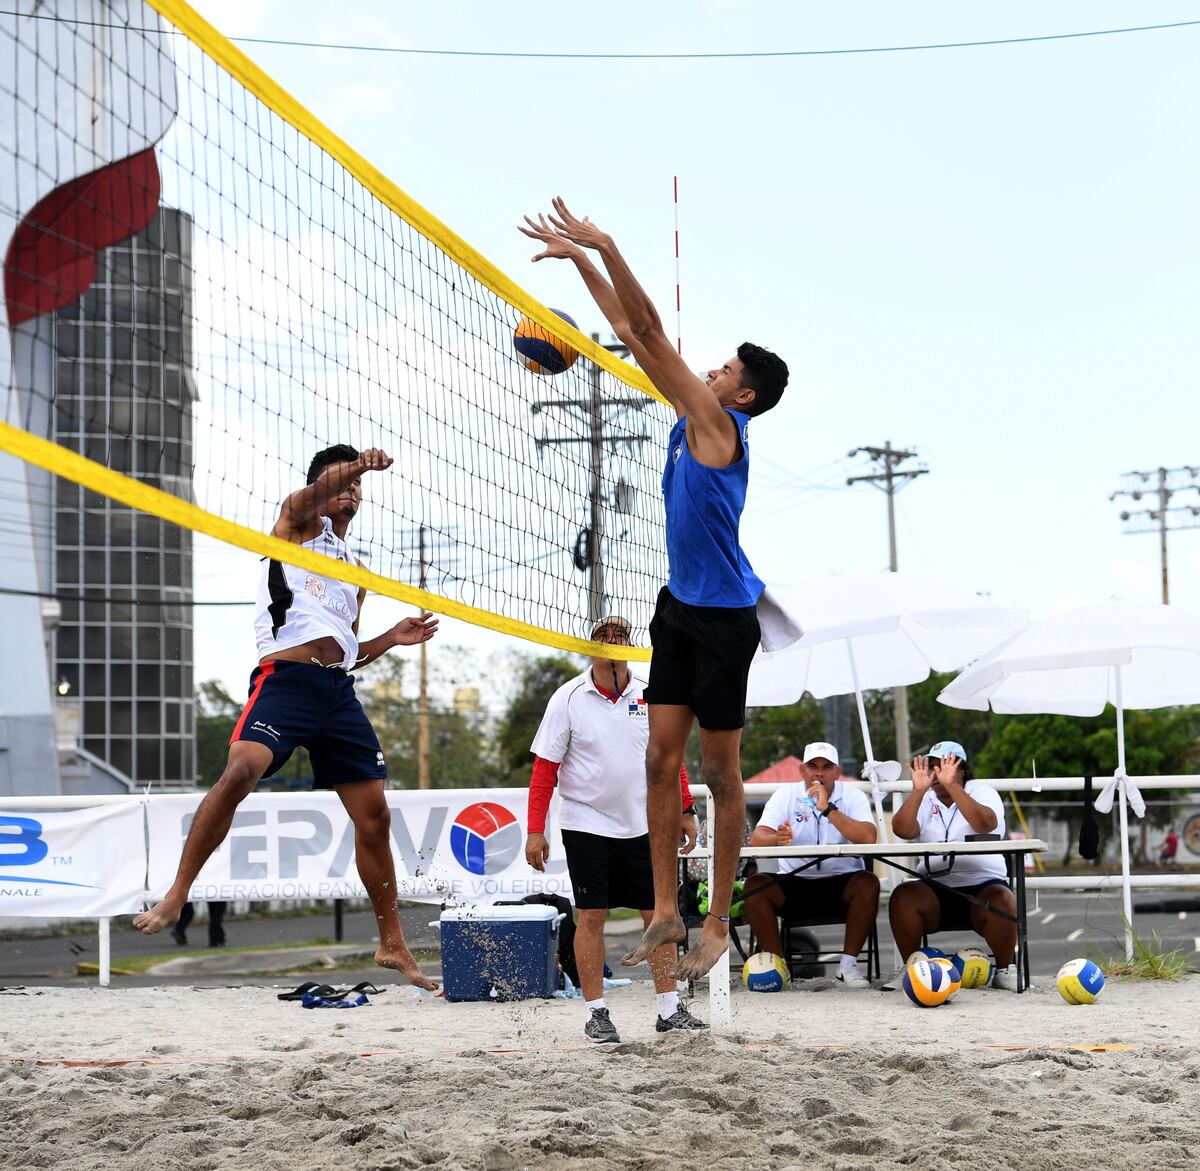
[231, 1077]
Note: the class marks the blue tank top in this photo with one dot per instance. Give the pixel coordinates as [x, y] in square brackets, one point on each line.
[704, 509]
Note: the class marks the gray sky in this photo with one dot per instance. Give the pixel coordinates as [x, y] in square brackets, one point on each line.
[988, 253]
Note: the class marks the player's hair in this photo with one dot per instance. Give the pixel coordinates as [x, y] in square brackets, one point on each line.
[339, 453]
[764, 373]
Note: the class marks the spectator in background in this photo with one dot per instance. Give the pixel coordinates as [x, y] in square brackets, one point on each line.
[1169, 848]
[216, 924]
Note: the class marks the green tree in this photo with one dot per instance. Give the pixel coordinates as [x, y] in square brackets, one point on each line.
[533, 682]
[216, 715]
[458, 751]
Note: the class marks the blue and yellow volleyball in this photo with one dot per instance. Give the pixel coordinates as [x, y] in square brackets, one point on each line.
[539, 350]
[974, 967]
[952, 973]
[764, 971]
[1079, 982]
[927, 983]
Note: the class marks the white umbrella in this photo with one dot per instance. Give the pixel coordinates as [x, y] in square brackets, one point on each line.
[1129, 654]
[875, 630]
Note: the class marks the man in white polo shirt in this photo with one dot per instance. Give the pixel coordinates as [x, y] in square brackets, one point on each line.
[946, 805]
[592, 742]
[818, 810]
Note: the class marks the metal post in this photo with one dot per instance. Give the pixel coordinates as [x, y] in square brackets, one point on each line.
[596, 499]
[339, 906]
[423, 699]
[1162, 531]
[719, 1011]
[105, 964]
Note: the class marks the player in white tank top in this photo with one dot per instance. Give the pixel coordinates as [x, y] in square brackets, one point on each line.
[307, 622]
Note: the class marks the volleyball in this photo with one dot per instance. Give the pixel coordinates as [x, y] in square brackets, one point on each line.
[974, 967]
[953, 974]
[539, 350]
[764, 971]
[926, 953]
[1079, 982]
[926, 983]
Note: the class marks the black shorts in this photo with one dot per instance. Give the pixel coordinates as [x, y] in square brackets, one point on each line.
[702, 658]
[817, 898]
[955, 911]
[609, 872]
[301, 705]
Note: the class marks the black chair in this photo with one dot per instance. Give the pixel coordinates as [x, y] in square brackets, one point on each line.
[802, 953]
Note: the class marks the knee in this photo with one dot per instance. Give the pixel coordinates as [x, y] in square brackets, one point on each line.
[375, 824]
[762, 888]
[904, 900]
[722, 780]
[591, 921]
[238, 779]
[864, 887]
[662, 767]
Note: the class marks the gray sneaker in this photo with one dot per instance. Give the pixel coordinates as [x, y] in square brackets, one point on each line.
[600, 1029]
[679, 1021]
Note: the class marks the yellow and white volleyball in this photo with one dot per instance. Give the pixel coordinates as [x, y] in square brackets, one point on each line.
[974, 966]
[952, 973]
[539, 350]
[764, 971]
[1079, 982]
[926, 983]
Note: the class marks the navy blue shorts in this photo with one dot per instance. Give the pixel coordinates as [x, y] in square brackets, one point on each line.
[301, 705]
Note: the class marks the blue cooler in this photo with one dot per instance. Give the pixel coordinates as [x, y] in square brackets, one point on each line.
[499, 953]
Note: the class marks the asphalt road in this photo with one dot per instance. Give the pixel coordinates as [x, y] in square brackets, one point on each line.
[1062, 926]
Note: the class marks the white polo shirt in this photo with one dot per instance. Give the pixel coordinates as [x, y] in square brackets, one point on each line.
[810, 829]
[945, 823]
[600, 747]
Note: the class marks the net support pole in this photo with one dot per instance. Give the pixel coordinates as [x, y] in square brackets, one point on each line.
[719, 1012]
[105, 964]
[595, 544]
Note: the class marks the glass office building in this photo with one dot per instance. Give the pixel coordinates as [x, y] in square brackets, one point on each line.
[123, 395]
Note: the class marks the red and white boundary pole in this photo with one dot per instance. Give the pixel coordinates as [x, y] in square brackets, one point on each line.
[678, 316]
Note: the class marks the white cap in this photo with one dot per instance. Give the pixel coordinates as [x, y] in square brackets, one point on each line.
[823, 749]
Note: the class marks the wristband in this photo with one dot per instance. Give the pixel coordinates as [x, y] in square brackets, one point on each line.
[691, 809]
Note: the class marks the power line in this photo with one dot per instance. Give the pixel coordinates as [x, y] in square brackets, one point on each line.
[107, 599]
[1166, 483]
[753, 54]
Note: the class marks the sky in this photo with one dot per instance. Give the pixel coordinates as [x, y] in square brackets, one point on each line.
[986, 255]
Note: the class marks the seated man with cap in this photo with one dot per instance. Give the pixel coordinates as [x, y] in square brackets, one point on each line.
[946, 805]
[818, 810]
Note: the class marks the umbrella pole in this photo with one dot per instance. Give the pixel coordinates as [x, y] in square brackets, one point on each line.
[870, 751]
[1126, 885]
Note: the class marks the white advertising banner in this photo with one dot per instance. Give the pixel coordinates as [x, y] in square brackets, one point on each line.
[82, 864]
[452, 845]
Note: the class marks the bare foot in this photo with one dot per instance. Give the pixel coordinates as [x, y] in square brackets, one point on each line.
[710, 948]
[659, 932]
[161, 915]
[400, 959]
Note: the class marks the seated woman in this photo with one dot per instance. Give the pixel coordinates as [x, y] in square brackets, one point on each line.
[946, 805]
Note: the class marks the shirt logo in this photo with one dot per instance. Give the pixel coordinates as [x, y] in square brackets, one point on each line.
[314, 586]
[676, 454]
[746, 433]
[637, 707]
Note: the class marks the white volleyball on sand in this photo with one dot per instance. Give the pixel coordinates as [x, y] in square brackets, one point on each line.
[764, 971]
[1079, 982]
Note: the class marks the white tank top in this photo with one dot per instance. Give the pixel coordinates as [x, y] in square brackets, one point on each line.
[296, 606]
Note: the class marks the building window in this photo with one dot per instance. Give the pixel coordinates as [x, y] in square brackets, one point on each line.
[122, 717]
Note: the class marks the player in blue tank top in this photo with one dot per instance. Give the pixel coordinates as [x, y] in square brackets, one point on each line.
[705, 628]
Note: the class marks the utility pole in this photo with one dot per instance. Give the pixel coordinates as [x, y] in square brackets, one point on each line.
[1165, 483]
[890, 478]
[597, 412]
[423, 694]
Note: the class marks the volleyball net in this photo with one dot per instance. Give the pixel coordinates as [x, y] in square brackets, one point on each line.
[204, 286]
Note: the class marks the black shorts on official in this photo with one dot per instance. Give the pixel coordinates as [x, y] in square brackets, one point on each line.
[609, 872]
[819, 898]
[956, 911]
[702, 658]
[301, 705]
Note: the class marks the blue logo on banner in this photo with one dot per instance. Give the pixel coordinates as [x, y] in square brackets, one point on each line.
[26, 833]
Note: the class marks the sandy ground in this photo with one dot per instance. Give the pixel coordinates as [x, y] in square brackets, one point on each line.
[820, 1077]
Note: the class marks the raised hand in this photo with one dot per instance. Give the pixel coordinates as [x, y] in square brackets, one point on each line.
[411, 631]
[557, 247]
[375, 459]
[922, 778]
[948, 771]
[581, 231]
[817, 792]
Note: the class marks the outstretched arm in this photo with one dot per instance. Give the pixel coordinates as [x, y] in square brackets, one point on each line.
[711, 433]
[301, 509]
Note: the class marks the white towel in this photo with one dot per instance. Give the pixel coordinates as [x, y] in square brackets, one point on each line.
[779, 630]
